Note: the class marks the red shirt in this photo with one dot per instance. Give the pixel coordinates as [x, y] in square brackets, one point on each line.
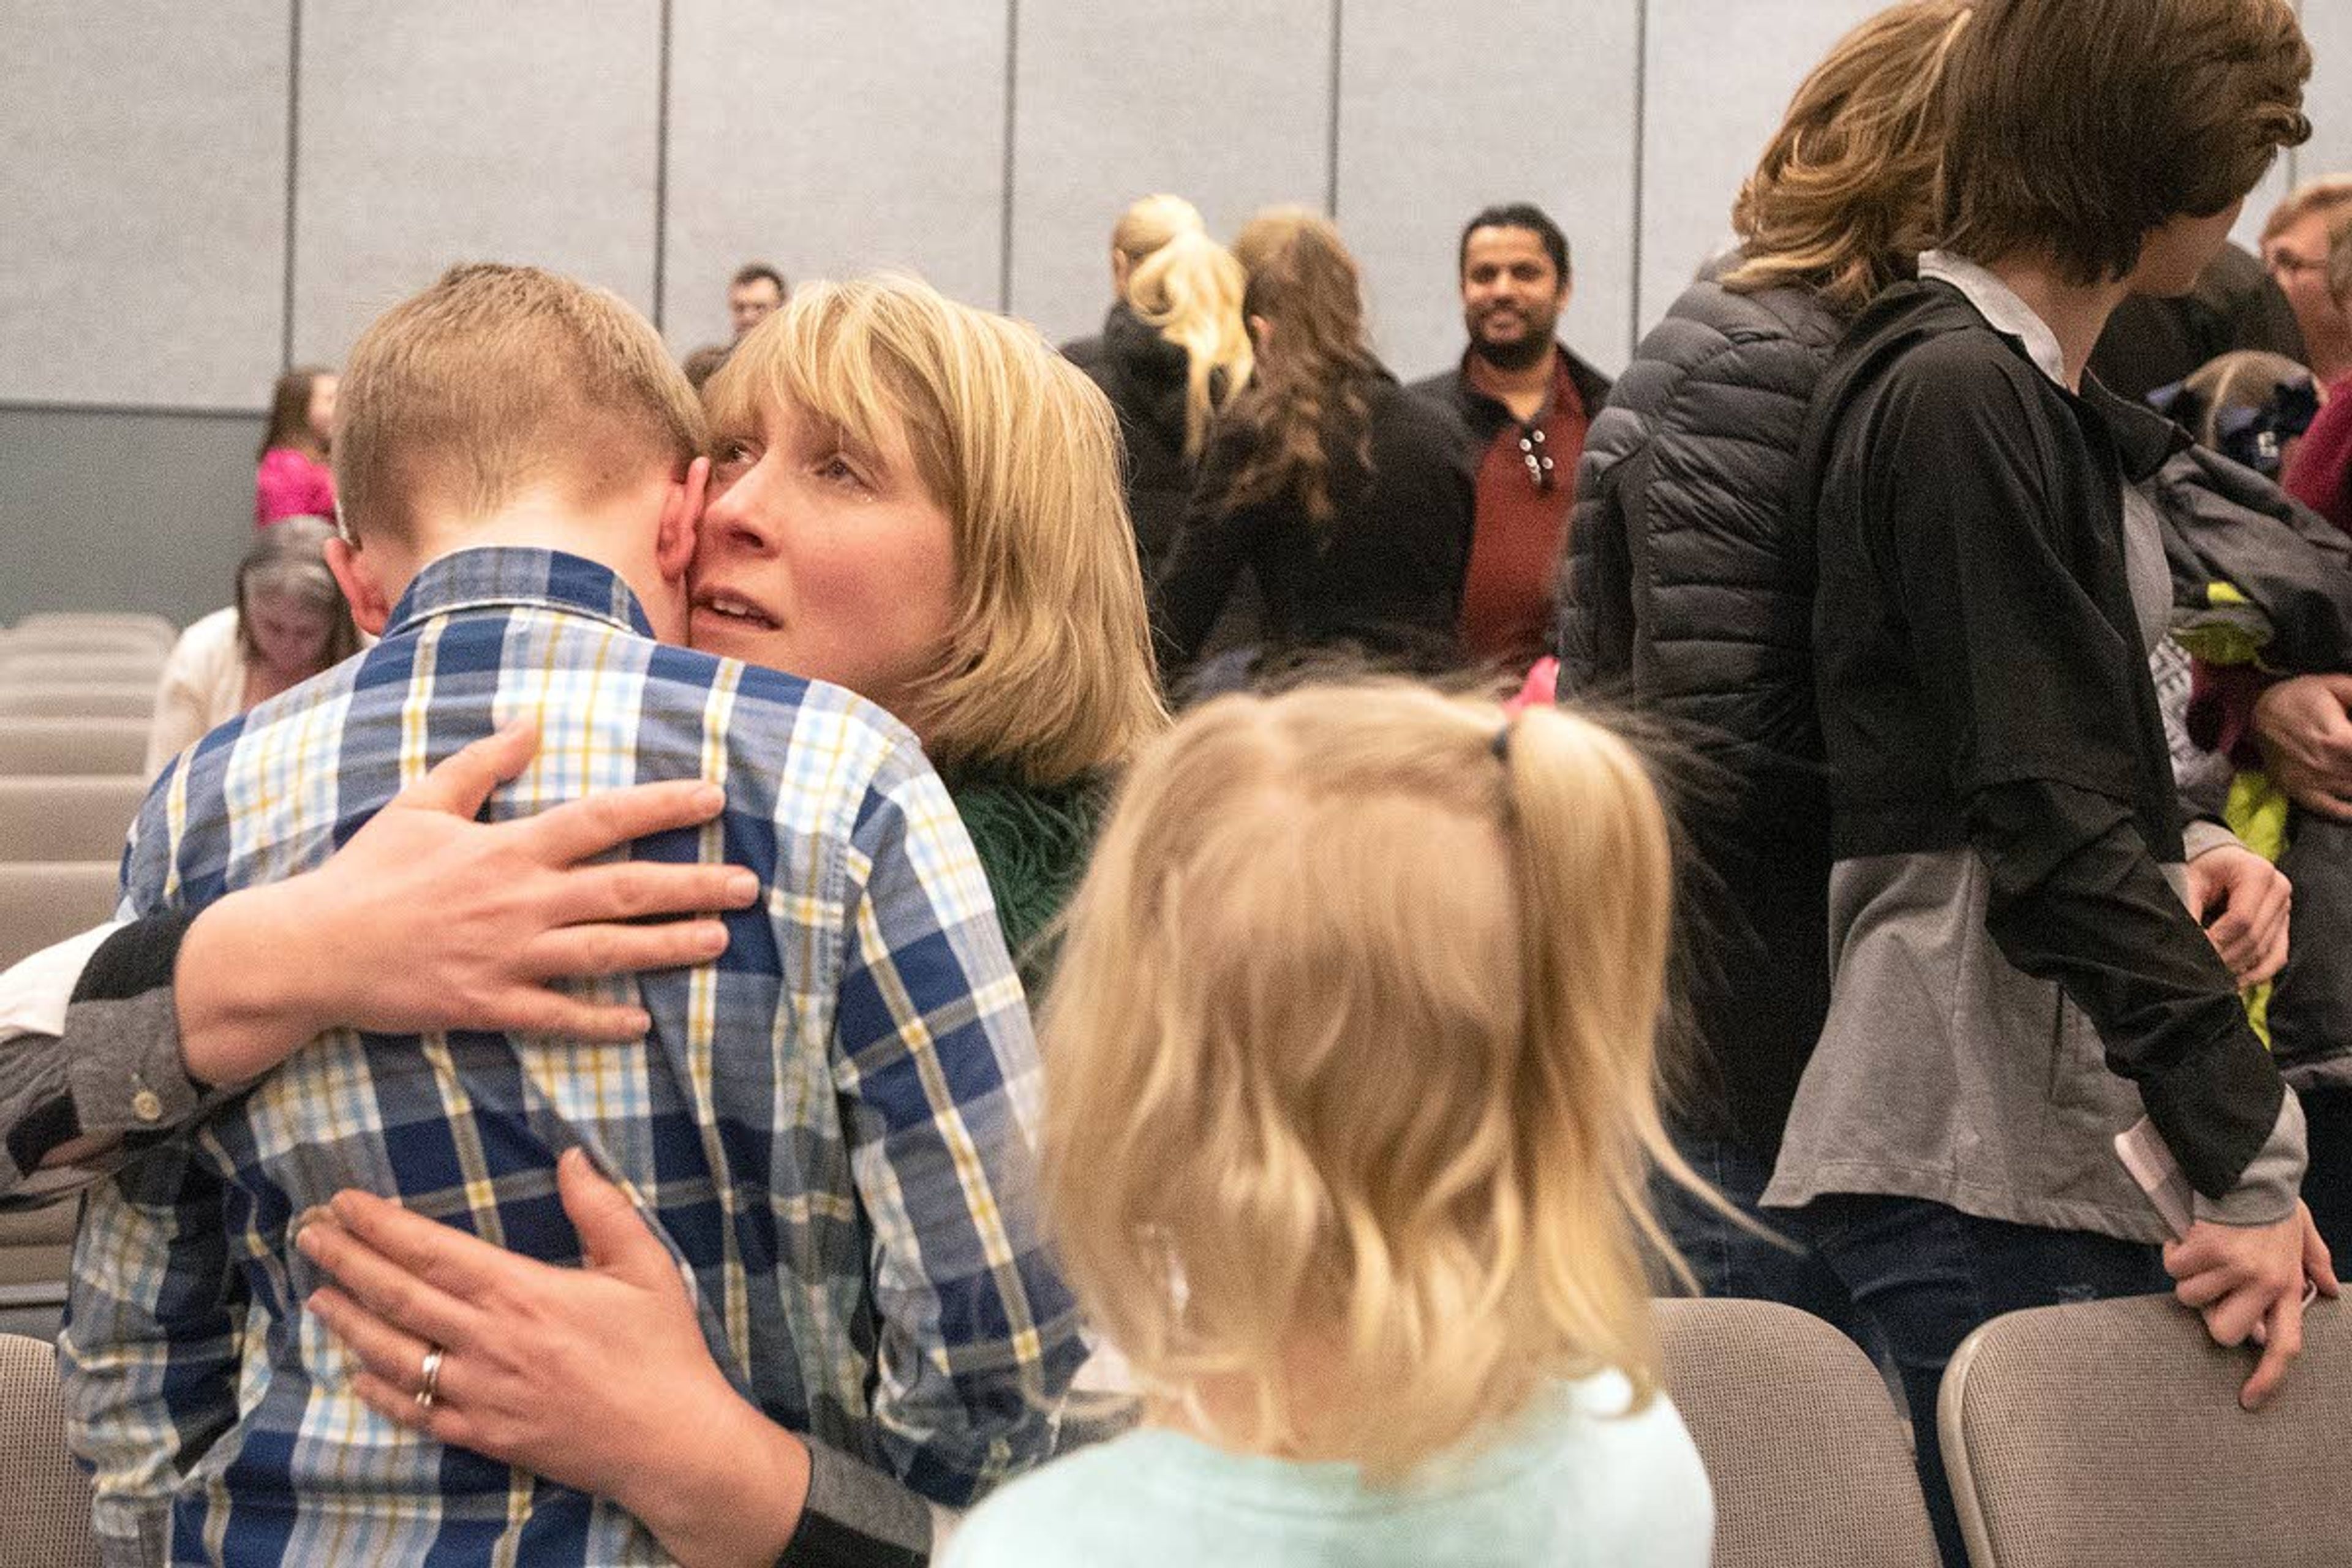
[1526, 480]
[2321, 477]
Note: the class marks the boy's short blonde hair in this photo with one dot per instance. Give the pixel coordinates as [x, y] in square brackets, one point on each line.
[1350, 1053]
[1049, 672]
[496, 380]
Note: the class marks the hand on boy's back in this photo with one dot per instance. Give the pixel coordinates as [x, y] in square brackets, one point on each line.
[2304, 726]
[429, 919]
[2248, 1283]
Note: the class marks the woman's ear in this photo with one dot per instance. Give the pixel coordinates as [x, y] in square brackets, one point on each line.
[1261, 332]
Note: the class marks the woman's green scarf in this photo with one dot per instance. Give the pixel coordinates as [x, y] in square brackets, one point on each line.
[1032, 844]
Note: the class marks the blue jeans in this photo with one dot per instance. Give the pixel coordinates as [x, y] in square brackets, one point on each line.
[1927, 1276]
[1731, 1262]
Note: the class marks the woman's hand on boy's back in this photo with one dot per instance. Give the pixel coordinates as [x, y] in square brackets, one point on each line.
[597, 1377]
[429, 919]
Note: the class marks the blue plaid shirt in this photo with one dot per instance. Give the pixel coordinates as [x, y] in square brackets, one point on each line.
[831, 1125]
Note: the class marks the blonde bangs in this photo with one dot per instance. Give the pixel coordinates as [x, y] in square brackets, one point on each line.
[1342, 1053]
[1048, 675]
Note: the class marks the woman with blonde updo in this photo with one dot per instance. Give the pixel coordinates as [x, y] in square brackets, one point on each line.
[1173, 351]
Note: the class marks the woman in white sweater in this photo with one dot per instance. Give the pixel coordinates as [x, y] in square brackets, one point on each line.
[289, 623]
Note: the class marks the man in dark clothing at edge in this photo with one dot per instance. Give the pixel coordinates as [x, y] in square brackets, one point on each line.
[1524, 403]
[2016, 976]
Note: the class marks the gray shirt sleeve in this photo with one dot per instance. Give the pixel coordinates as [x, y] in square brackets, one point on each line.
[857, 1517]
[113, 1071]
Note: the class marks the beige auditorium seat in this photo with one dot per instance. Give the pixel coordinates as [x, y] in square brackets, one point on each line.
[72, 746]
[83, 667]
[68, 817]
[2107, 1433]
[100, 639]
[45, 902]
[1810, 1464]
[135, 700]
[97, 623]
[43, 1498]
[37, 1256]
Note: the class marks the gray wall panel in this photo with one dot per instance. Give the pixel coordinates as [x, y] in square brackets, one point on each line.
[143, 189]
[832, 137]
[1719, 79]
[1225, 102]
[1435, 122]
[432, 133]
[2329, 99]
[123, 511]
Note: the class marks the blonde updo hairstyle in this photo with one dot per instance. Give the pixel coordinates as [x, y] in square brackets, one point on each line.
[1344, 1056]
[1191, 289]
[1048, 673]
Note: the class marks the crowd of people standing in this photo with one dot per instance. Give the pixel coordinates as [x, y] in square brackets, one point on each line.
[1108, 967]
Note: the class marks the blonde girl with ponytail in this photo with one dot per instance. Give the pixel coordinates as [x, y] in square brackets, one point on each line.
[1349, 1120]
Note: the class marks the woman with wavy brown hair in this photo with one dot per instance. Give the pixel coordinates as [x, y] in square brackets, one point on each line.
[1688, 471]
[1343, 497]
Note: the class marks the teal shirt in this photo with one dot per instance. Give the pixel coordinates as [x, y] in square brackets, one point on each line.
[1573, 1484]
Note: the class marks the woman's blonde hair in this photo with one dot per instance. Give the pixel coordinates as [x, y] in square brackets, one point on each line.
[1351, 1052]
[1190, 290]
[1308, 397]
[1048, 671]
[1152, 222]
[1844, 194]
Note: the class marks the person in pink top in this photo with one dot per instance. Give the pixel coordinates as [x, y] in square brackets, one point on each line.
[294, 480]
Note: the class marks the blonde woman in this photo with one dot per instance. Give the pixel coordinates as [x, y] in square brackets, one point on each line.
[920, 500]
[1371, 1327]
[915, 499]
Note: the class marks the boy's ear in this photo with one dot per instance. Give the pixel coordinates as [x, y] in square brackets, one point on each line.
[682, 517]
[371, 608]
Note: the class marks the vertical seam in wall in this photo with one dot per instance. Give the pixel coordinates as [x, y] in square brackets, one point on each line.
[1641, 131]
[293, 153]
[1332, 184]
[661, 170]
[1004, 213]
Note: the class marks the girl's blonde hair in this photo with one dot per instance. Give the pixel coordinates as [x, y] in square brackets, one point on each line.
[1191, 289]
[1844, 196]
[1048, 671]
[1152, 222]
[1351, 1052]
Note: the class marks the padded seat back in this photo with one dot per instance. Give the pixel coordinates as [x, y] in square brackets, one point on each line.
[1810, 1464]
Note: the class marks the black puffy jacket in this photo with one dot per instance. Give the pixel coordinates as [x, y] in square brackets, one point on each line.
[1684, 594]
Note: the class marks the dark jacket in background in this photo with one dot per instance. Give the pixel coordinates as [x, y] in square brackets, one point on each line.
[1480, 416]
[2153, 342]
[1144, 376]
[1382, 577]
[1686, 593]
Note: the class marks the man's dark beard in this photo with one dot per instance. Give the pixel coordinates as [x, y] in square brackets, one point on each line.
[1523, 354]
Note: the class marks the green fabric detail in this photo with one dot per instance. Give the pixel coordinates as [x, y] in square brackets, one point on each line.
[1032, 844]
[2257, 814]
[2221, 593]
[2226, 630]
